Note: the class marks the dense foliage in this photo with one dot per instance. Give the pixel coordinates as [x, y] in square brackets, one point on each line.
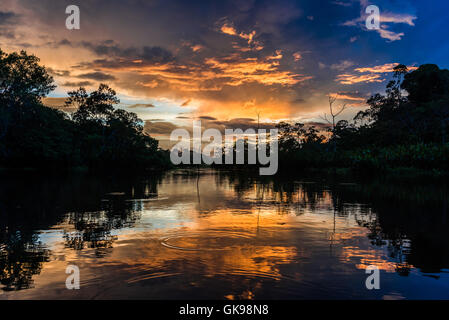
[96, 136]
[406, 127]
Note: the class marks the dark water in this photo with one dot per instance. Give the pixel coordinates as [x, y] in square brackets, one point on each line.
[221, 236]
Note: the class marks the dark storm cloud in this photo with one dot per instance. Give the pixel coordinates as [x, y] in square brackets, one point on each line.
[142, 105]
[59, 73]
[148, 54]
[98, 76]
[242, 123]
[206, 118]
[166, 128]
[231, 58]
[77, 84]
[64, 42]
[161, 128]
[8, 20]
[8, 17]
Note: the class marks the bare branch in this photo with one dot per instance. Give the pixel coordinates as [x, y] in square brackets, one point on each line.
[325, 118]
[343, 107]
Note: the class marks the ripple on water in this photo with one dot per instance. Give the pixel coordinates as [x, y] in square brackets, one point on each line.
[206, 241]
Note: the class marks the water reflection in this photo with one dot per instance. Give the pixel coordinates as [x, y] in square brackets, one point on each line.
[219, 235]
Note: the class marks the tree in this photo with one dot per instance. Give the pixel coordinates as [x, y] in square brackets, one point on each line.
[22, 79]
[333, 114]
[97, 106]
[107, 135]
[420, 116]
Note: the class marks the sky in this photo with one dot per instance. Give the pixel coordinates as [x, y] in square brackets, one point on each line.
[227, 62]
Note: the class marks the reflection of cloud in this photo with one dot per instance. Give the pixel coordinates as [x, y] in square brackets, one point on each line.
[371, 257]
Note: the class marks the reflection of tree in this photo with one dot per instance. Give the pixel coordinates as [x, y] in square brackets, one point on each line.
[94, 230]
[84, 204]
[21, 257]
[409, 220]
[282, 192]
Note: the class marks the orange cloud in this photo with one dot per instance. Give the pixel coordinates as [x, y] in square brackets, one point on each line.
[373, 74]
[352, 79]
[297, 56]
[347, 96]
[229, 29]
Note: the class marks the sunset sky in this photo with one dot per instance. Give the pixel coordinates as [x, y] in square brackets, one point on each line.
[226, 61]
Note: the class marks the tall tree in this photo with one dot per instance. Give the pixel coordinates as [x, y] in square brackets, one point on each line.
[22, 79]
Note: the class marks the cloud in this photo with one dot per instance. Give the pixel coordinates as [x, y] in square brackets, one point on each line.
[144, 55]
[388, 67]
[8, 21]
[229, 29]
[8, 17]
[351, 96]
[59, 73]
[77, 84]
[186, 103]
[142, 105]
[390, 35]
[54, 102]
[98, 76]
[342, 65]
[238, 71]
[159, 128]
[398, 18]
[240, 59]
[297, 56]
[206, 118]
[341, 3]
[385, 18]
[352, 79]
[373, 74]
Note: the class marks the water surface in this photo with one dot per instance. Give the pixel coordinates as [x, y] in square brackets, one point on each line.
[217, 235]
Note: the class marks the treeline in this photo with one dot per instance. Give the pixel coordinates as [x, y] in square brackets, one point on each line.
[408, 127]
[96, 136]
